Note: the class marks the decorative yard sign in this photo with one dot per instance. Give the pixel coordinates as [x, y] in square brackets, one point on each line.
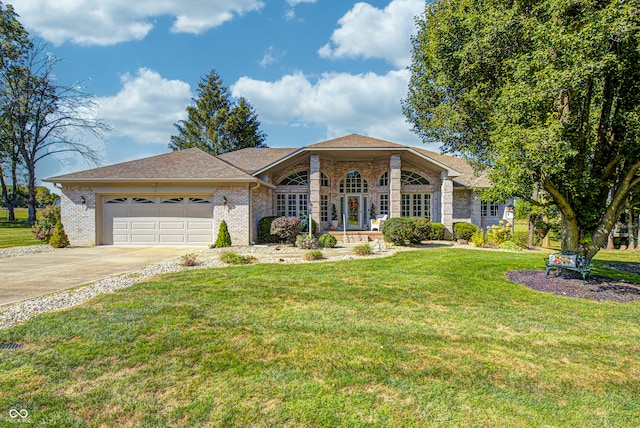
[562, 260]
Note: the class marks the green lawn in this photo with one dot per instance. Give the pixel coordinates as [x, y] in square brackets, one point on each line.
[18, 233]
[434, 337]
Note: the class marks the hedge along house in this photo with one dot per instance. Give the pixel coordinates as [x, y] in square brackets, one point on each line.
[180, 198]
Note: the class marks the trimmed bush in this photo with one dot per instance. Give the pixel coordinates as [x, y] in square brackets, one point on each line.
[223, 239]
[286, 228]
[313, 255]
[396, 230]
[438, 232]
[59, 238]
[362, 250]
[327, 241]
[43, 229]
[464, 230]
[264, 231]
[420, 229]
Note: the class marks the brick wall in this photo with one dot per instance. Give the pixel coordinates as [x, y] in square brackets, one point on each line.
[78, 219]
[235, 213]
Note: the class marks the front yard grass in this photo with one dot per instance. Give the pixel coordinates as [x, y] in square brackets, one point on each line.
[434, 337]
[18, 233]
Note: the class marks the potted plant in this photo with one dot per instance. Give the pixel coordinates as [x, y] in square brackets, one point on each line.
[334, 216]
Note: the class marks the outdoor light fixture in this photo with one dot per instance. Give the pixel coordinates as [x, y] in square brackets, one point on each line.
[224, 200]
[83, 200]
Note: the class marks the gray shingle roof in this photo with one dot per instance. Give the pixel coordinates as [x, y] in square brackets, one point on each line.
[253, 159]
[184, 165]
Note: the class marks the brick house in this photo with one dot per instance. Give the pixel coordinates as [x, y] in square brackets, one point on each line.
[180, 198]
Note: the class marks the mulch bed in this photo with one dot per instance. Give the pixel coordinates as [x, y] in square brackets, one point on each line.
[596, 287]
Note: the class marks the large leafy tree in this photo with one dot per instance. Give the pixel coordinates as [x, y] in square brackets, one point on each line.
[538, 92]
[215, 123]
[14, 45]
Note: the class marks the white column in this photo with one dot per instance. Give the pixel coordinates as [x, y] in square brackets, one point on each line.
[314, 188]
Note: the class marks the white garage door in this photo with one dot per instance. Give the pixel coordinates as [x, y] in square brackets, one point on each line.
[160, 220]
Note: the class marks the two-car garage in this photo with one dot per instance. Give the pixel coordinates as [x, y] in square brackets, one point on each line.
[157, 220]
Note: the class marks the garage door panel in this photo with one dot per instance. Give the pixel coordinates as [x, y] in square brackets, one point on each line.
[148, 220]
[176, 224]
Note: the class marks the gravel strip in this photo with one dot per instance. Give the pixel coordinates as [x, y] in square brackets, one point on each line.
[27, 309]
[6, 253]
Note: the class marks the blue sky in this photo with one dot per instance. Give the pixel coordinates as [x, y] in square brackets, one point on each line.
[312, 69]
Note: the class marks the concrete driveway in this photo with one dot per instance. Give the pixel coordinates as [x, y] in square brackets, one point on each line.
[34, 275]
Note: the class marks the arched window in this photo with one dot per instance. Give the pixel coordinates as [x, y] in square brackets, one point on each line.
[300, 178]
[409, 178]
[324, 180]
[353, 183]
[384, 179]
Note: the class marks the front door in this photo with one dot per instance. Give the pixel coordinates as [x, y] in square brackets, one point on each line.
[354, 211]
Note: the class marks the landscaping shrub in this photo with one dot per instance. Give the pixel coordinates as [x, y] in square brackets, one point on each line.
[313, 255]
[521, 239]
[497, 234]
[305, 225]
[264, 231]
[223, 239]
[464, 230]
[43, 229]
[306, 243]
[396, 230]
[478, 239]
[414, 230]
[362, 250]
[438, 232]
[189, 259]
[59, 238]
[327, 241]
[286, 228]
[232, 258]
[419, 230]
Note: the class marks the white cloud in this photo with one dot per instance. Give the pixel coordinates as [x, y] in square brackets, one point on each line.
[271, 56]
[146, 107]
[369, 32]
[108, 22]
[290, 13]
[294, 3]
[342, 103]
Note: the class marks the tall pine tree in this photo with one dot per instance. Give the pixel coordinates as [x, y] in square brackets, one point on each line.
[215, 123]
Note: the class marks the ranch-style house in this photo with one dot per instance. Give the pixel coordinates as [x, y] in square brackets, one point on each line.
[180, 198]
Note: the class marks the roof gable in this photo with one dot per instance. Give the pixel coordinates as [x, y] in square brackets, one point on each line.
[184, 165]
[355, 141]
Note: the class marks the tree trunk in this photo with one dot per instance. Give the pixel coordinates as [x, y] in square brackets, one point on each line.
[31, 200]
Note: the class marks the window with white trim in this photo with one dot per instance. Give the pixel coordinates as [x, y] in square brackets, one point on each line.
[384, 179]
[292, 204]
[489, 209]
[383, 207]
[410, 178]
[415, 205]
[324, 180]
[353, 183]
[300, 178]
[324, 207]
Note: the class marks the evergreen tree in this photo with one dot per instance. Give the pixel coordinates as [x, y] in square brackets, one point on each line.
[215, 123]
